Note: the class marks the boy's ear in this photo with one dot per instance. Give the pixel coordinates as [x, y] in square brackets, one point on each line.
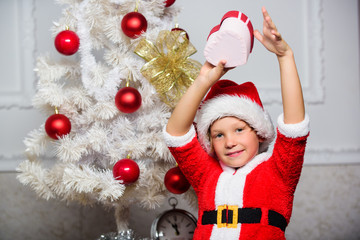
[261, 139]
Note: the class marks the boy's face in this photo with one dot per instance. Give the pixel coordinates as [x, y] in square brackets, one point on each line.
[235, 143]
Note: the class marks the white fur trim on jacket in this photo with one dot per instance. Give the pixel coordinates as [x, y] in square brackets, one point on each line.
[230, 191]
[240, 107]
[178, 141]
[294, 130]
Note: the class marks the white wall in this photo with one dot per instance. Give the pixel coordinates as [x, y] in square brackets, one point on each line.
[325, 38]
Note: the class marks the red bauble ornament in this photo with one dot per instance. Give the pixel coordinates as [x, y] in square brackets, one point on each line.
[175, 181]
[128, 100]
[67, 42]
[133, 24]
[168, 3]
[57, 125]
[182, 30]
[126, 170]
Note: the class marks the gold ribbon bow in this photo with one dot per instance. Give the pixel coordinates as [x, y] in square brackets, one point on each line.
[169, 68]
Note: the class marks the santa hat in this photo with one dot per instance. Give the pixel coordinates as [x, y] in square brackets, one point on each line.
[227, 98]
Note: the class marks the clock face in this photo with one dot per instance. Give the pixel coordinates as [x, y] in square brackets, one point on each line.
[175, 225]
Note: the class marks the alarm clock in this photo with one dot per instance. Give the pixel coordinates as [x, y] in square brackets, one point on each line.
[174, 224]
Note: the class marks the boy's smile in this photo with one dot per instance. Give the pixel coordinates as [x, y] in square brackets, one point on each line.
[235, 143]
[234, 154]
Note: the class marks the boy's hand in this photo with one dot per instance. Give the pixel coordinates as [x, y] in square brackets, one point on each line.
[271, 38]
[211, 73]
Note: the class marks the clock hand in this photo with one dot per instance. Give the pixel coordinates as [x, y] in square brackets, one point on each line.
[176, 228]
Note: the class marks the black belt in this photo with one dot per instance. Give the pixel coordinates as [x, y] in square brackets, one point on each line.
[244, 215]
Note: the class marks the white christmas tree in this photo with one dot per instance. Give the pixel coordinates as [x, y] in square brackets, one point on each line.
[84, 89]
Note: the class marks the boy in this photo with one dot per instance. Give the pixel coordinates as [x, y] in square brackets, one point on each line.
[243, 192]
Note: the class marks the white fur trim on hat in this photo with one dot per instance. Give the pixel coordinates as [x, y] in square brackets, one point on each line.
[235, 106]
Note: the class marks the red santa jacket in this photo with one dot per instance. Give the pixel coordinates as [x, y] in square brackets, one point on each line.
[252, 202]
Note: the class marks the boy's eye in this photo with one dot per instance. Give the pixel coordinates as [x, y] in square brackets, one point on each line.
[239, 129]
[219, 135]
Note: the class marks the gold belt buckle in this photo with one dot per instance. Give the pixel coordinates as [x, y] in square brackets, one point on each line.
[234, 223]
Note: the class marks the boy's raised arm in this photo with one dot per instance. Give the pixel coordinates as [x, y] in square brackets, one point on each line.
[292, 97]
[184, 113]
[291, 91]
